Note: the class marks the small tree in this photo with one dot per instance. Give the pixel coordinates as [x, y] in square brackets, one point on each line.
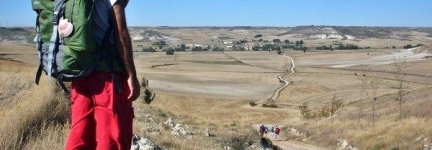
[183, 47]
[169, 51]
[218, 49]
[364, 80]
[374, 85]
[150, 49]
[160, 44]
[334, 106]
[148, 94]
[304, 110]
[279, 51]
[399, 64]
[258, 36]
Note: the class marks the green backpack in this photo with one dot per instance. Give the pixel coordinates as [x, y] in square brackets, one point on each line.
[65, 57]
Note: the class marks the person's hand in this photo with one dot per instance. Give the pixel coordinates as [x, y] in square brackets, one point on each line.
[134, 88]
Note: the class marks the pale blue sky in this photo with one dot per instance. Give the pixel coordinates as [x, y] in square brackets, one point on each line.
[281, 13]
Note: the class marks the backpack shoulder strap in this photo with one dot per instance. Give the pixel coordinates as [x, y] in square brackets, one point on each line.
[54, 42]
[104, 45]
[38, 43]
[59, 6]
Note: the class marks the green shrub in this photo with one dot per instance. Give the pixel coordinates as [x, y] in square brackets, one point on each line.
[270, 105]
[325, 111]
[150, 49]
[148, 96]
[253, 104]
[169, 51]
[304, 110]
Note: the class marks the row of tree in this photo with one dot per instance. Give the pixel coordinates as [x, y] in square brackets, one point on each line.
[408, 46]
[170, 50]
[340, 47]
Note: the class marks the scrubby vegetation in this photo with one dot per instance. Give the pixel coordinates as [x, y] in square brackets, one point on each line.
[323, 112]
[382, 115]
[408, 46]
[150, 49]
[34, 117]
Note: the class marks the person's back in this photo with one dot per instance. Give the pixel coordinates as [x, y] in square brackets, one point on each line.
[261, 131]
[277, 130]
[101, 104]
[262, 128]
[271, 128]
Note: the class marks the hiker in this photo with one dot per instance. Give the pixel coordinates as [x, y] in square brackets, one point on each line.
[101, 108]
[272, 128]
[261, 131]
[277, 130]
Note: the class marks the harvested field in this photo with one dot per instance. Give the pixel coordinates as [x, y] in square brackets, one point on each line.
[233, 90]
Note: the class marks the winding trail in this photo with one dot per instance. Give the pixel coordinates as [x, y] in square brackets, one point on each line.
[292, 63]
[277, 92]
[285, 143]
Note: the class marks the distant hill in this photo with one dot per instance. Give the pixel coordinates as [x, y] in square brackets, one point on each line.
[306, 32]
[17, 34]
[343, 32]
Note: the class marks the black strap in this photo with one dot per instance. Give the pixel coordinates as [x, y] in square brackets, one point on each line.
[116, 82]
[106, 43]
[62, 85]
[38, 74]
[38, 41]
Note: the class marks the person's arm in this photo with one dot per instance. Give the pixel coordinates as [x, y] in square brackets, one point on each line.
[124, 47]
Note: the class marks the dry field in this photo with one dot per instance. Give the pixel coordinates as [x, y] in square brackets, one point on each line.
[33, 117]
[215, 90]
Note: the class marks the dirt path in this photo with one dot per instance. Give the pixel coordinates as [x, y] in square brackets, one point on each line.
[294, 145]
[285, 83]
[292, 64]
[285, 143]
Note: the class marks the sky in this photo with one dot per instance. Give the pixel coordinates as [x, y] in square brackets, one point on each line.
[278, 13]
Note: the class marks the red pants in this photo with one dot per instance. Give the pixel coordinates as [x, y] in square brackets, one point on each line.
[101, 117]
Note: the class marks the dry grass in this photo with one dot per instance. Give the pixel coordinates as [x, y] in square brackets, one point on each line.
[33, 116]
[37, 118]
[314, 84]
[50, 137]
[387, 132]
[222, 134]
[410, 133]
[218, 111]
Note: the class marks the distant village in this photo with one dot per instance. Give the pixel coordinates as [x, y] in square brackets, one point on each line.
[233, 45]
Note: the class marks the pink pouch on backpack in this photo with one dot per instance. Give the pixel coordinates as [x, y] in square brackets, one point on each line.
[65, 27]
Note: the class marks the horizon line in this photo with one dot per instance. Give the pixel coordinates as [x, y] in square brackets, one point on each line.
[231, 26]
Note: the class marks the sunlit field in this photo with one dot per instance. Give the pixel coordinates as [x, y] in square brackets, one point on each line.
[331, 96]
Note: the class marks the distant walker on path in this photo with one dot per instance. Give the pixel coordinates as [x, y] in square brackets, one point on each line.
[277, 130]
[261, 131]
